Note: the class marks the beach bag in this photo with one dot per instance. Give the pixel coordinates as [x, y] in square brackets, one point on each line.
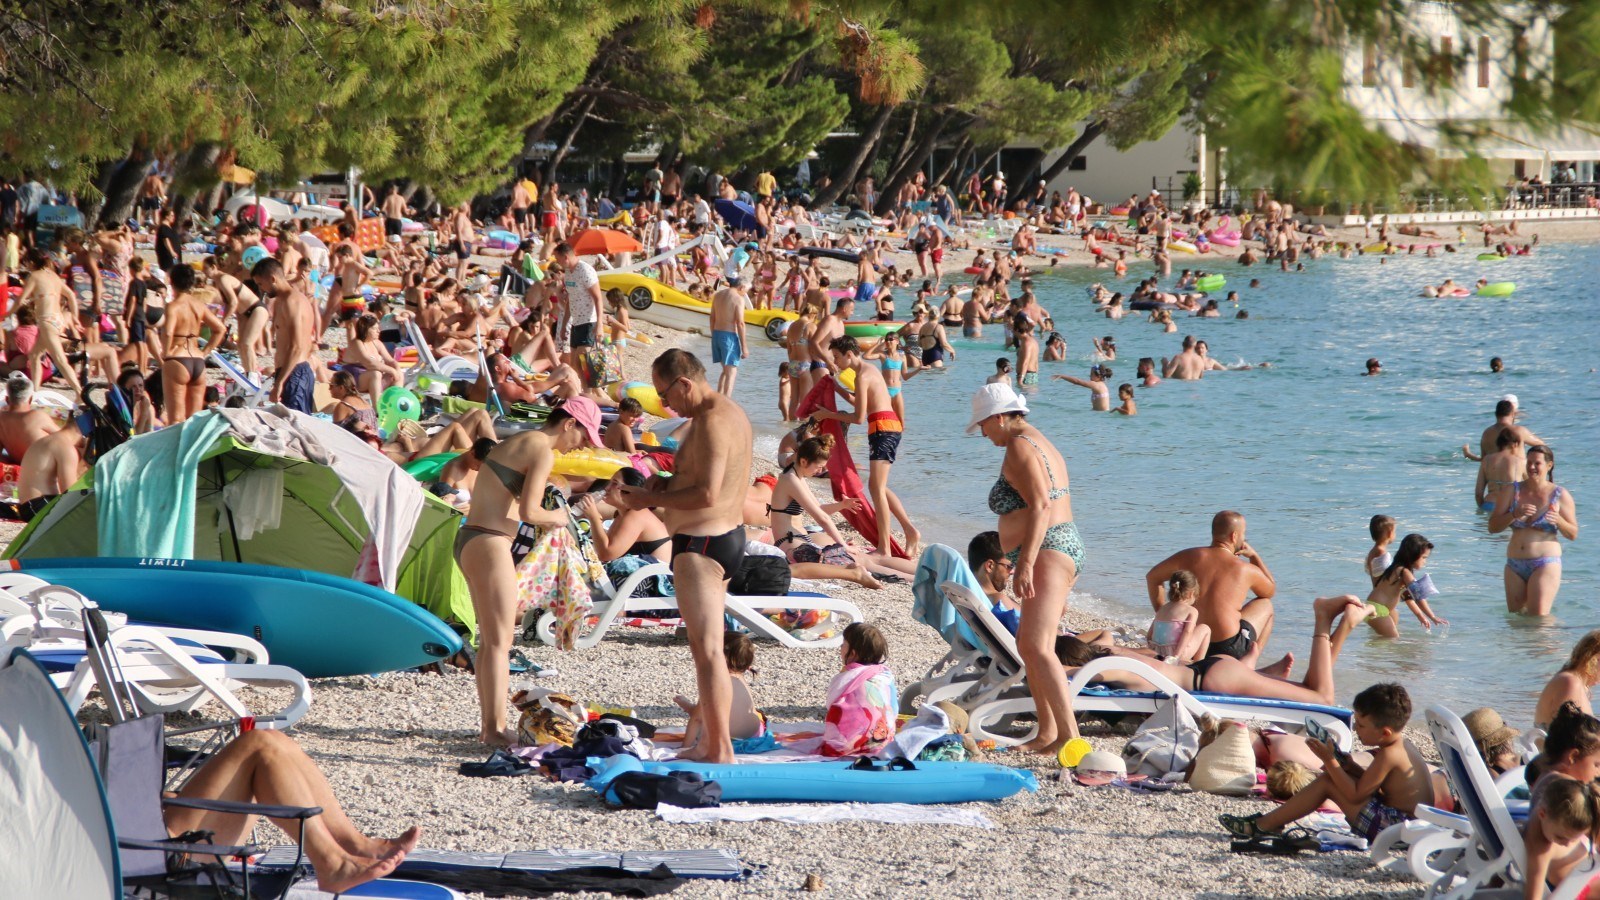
[548, 717]
[1166, 742]
[555, 576]
[761, 576]
[646, 790]
[600, 365]
[862, 711]
[1227, 765]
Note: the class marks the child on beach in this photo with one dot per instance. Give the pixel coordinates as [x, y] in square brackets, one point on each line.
[744, 720]
[619, 434]
[1386, 792]
[1404, 581]
[1176, 633]
[862, 703]
[1379, 557]
[785, 393]
[1563, 823]
[1125, 394]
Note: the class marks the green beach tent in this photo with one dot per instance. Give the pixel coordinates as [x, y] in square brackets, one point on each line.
[320, 525]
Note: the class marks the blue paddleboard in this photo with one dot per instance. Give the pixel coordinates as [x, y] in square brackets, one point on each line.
[318, 624]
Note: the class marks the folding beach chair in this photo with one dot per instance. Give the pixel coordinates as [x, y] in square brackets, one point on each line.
[77, 829]
[449, 368]
[1426, 848]
[1001, 695]
[1495, 850]
[161, 669]
[240, 383]
[967, 660]
[746, 610]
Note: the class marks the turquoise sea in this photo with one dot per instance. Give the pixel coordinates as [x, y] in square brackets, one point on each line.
[1308, 449]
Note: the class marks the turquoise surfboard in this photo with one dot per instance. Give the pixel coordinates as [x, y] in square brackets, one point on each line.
[321, 625]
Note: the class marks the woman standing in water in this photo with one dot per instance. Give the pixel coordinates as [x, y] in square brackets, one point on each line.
[521, 468]
[1539, 513]
[1034, 502]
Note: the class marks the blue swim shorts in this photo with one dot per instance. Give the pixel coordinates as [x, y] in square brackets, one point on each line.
[725, 348]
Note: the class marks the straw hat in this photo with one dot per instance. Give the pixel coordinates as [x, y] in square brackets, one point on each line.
[1487, 728]
[1100, 767]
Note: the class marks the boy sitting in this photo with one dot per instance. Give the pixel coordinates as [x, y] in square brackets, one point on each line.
[1385, 793]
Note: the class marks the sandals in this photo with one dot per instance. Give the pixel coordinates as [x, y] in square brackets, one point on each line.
[1244, 827]
[1288, 843]
[499, 763]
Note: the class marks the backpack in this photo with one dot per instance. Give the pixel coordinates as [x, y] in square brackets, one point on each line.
[764, 576]
[646, 790]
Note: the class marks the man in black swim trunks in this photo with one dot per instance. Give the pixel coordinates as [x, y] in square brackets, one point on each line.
[703, 506]
[1228, 570]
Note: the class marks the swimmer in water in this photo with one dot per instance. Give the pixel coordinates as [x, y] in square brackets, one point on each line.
[1496, 366]
[1147, 372]
[1100, 395]
[1125, 394]
[1374, 367]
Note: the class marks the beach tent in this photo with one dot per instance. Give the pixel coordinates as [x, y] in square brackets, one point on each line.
[271, 487]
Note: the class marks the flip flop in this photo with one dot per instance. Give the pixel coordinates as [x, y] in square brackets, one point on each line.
[499, 763]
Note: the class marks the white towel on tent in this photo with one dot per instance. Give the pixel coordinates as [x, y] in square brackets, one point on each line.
[255, 501]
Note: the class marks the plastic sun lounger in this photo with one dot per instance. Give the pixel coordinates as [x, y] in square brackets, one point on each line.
[746, 610]
[1495, 849]
[1001, 697]
[164, 669]
[1426, 847]
[453, 368]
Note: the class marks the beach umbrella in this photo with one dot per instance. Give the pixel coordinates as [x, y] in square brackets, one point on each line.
[603, 242]
[739, 216]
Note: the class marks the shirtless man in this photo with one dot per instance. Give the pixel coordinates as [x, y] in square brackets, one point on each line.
[727, 332]
[55, 461]
[1186, 366]
[831, 326]
[867, 273]
[520, 200]
[1239, 629]
[1501, 469]
[1027, 353]
[1505, 418]
[394, 215]
[702, 506]
[874, 409]
[816, 295]
[294, 329]
[22, 423]
[345, 300]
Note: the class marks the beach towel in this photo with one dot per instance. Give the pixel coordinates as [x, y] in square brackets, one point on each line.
[842, 467]
[940, 563]
[862, 710]
[145, 490]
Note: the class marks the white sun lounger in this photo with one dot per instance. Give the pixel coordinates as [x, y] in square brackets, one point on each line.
[163, 669]
[1426, 848]
[1001, 694]
[255, 395]
[452, 368]
[746, 610]
[1495, 849]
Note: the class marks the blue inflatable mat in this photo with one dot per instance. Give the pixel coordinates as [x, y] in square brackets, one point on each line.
[813, 782]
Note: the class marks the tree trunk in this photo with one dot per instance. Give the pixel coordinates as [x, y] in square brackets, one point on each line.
[906, 140]
[619, 178]
[579, 116]
[961, 149]
[1020, 169]
[847, 175]
[913, 162]
[1074, 150]
[193, 175]
[532, 136]
[121, 189]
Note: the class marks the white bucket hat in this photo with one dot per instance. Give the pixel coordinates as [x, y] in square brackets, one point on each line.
[1512, 399]
[992, 400]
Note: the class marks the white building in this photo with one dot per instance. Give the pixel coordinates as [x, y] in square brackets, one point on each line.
[1407, 104]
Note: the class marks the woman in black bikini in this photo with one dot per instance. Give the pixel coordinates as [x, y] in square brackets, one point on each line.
[634, 532]
[1226, 675]
[792, 500]
[517, 493]
[183, 370]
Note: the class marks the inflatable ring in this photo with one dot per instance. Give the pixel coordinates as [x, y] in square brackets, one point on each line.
[590, 462]
[1182, 247]
[645, 394]
[396, 404]
[1498, 289]
[1211, 283]
[1490, 257]
[1380, 247]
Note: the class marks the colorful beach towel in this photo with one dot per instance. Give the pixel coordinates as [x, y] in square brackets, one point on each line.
[842, 467]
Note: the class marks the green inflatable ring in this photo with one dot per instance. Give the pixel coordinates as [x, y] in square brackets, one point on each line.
[1490, 257]
[1498, 289]
[1211, 283]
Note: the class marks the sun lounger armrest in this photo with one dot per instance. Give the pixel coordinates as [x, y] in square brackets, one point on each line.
[173, 846]
[244, 809]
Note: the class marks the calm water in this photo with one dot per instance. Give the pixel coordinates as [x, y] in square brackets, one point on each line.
[1308, 450]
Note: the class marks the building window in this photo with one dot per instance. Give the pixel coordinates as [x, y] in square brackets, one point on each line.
[1483, 62]
[1369, 65]
[1447, 62]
